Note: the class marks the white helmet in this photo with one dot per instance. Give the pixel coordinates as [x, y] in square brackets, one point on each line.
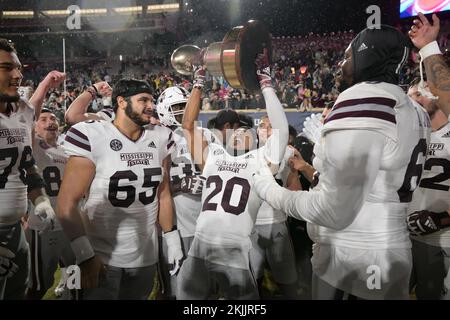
[169, 97]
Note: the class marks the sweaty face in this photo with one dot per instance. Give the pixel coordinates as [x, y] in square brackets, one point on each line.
[178, 111]
[140, 108]
[241, 140]
[427, 103]
[344, 78]
[264, 130]
[47, 127]
[10, 76]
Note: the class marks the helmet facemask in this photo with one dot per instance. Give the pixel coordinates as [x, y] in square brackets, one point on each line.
[171, 105]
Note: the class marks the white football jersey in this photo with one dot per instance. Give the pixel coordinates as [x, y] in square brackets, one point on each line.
[50, 162]
[187, 206]
[122, 204]
[383, 108]
[229, 204]
[107, 114]
[433, 192]
[267, 214]
[15, 157]
[378, 235]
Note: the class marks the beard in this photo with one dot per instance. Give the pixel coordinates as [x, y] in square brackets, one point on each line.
[432, 108]
[8, 98]
[134, 116]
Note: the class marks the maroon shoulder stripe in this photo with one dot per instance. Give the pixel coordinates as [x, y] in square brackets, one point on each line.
[78, 143]
[363, 114]
[371, 100]
[170, 144]
[107, 112]
[78, 133]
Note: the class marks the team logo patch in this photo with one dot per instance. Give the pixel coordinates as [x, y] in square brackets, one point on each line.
[218, 152]
[116, 145]
[151, 145]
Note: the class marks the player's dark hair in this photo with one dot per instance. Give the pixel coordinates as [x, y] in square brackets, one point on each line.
[7, 45]
[129, 87]
[223, 117]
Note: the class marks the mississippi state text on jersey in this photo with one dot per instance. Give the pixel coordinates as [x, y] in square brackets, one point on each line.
[15, 158]
[122, 204]
[433, 192]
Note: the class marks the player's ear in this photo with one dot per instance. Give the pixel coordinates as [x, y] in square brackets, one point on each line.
[121, 102]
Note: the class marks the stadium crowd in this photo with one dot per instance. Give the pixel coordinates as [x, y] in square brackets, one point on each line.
[304, 69]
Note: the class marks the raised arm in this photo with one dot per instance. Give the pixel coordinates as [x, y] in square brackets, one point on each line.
[194, 136]
[77, 111]
[52, 80]
[424, 34]
[277, 143]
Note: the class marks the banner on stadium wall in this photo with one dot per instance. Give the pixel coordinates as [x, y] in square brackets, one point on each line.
[295, 118]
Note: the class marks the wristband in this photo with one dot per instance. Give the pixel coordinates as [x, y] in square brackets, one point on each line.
[430, 49]
[174, 227]
[82, 249]
[92, 92]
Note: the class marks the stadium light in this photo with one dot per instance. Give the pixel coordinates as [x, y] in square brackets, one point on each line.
[158, 8]
[99, 11]
[136, 9]
[18, 14]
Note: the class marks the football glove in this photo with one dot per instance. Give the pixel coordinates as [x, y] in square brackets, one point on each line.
[192, 184]
[174, 251]
[7, 267]
[43, 218]
[426, 222]
[263, 69]
[199, 77]
[312, 127]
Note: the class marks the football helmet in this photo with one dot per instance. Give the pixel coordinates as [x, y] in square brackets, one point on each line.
[164, 107]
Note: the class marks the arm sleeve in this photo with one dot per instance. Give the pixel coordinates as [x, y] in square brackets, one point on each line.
[77, 142]
[350, 169]
[277, 143]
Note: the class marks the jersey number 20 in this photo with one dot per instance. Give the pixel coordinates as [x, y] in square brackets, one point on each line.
[226, 196]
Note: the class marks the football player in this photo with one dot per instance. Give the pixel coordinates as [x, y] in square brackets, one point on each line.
[123, 166]
[47, 247]
[370, 159]
[271, 241]
[19, 178]
[185, 180]
[429, 207]
[219, 253]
